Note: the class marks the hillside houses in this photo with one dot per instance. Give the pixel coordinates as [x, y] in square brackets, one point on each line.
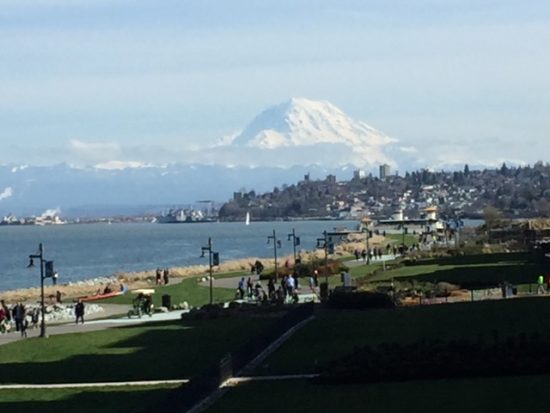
[517, 192]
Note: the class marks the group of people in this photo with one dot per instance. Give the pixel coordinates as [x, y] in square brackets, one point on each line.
[283, 291]
[371, 253]
[162, 276]
[17, 317]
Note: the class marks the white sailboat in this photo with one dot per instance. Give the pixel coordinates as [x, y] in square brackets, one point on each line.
[247, 219]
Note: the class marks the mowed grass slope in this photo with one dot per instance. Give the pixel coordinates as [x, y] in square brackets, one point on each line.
[503, 395]
[129, 399]
[333, 334]
[470, 271]
[188, 290]
[167, 350]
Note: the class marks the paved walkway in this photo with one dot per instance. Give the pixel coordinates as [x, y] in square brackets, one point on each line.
[233, 282]
[85, 385]
[235, 381]
[360, 262]
[249, 368]
[111, 310]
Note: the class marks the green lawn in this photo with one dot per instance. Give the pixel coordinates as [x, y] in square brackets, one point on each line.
[503, 395]
[470, 271]
[167, 350]
[188, 290]
[333, 334]
[87, 400]
[397, 239]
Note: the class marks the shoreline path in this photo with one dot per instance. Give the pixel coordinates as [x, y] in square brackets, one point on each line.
[112, 316]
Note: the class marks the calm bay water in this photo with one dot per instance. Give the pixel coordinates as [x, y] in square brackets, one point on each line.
[88, 251]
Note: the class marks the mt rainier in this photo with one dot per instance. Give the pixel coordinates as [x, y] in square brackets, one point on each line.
[279, 146]
[319, 130]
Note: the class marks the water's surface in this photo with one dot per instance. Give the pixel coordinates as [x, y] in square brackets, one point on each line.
[88, 251]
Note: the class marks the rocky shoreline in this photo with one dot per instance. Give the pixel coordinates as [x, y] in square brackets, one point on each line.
[145, 279]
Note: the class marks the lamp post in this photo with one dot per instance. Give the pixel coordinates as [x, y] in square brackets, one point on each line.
[295, 242]
[326, 244]
[276, 244]
[368, 235]
[46, 271]
[213, 259]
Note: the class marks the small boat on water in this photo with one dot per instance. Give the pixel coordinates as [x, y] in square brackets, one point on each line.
[247, 219]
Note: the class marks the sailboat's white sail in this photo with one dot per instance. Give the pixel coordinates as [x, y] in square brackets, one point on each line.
[247, 219]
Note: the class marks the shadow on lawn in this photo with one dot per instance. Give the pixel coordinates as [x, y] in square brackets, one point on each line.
[166, 351]
[514, 257]
[89, 401]
[482, 277]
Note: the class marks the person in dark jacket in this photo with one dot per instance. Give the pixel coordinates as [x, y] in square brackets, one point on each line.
[19, 315]
[79, 311]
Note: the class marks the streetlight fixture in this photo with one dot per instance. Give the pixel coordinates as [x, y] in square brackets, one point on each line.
[46, 271]
[213, 259]
[295, 242]
[327, 245]
[276, 244]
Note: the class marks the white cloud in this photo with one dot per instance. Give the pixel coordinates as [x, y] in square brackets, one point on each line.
[19, 168]
[51, 212]
[119, 165]
[93, 146]
[94, 151]
[7, 193]
[227, 139]
[408, 149]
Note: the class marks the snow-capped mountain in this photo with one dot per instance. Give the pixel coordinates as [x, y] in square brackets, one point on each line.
[317, 126]
[278, 147]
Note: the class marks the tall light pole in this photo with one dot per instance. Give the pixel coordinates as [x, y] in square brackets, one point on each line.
[213, 259]
[368, 235]
[326, 244]
[276, 244]
[46, 271]
[295, 242]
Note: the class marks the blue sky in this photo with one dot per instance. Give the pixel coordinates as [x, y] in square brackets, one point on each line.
[86, 82]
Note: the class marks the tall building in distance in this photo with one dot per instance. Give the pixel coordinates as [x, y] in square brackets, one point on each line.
[385, 171]
[359, 174]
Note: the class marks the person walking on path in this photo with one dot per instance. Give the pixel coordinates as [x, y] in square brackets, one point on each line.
[540, 282]
[7, 313]
[24, 325]
[158, 275]
[166, 276]
[79, 311]
[240, 288]
[271, 288]
[19, 315]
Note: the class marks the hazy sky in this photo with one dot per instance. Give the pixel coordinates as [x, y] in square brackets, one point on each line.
[92, 81]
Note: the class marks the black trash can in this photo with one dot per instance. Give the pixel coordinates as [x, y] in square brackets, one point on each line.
[167, 301]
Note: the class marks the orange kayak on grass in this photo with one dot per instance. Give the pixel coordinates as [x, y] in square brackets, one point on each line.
[100, 296]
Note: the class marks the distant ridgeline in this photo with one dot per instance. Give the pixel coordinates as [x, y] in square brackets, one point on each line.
[514, 191]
